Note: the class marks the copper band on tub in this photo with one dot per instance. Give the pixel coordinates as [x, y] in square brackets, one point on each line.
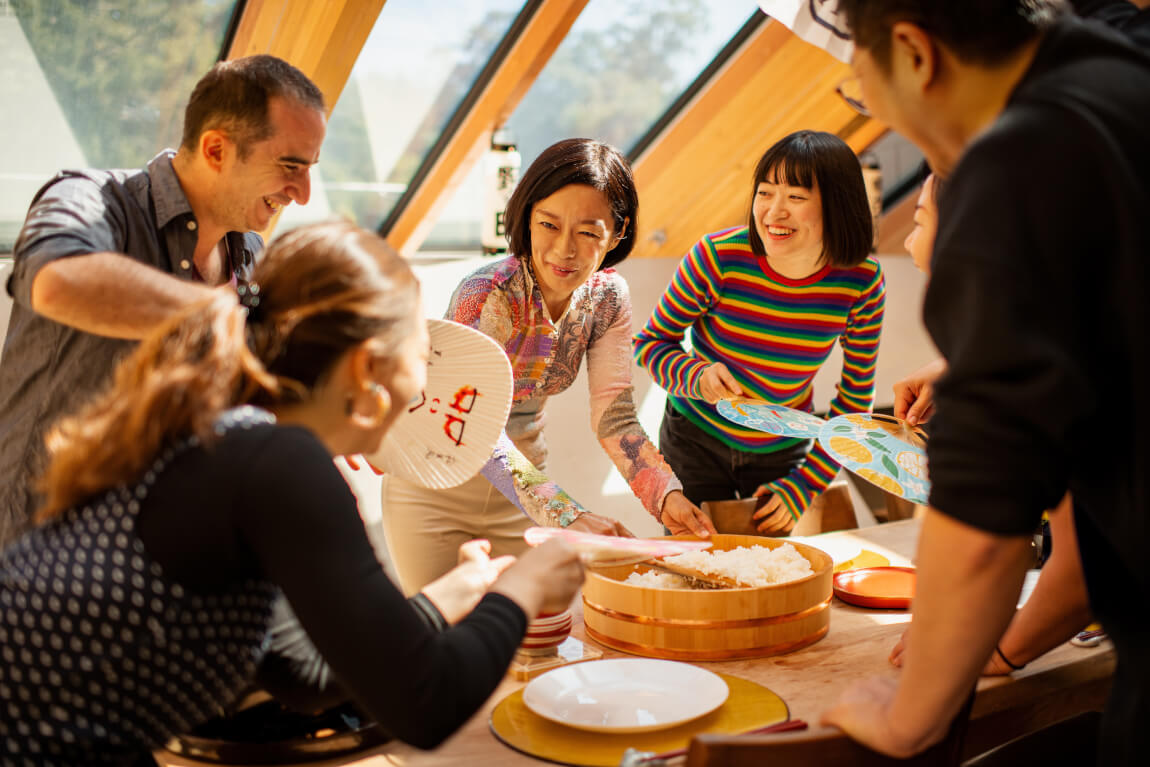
[652, 651]
[646, 620]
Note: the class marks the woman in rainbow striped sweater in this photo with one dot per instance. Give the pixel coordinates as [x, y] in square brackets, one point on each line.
[764, 304]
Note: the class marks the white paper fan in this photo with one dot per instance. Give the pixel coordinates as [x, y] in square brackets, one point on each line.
[450, 431]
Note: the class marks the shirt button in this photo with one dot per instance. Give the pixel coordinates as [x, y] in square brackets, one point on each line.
[192, 225]
[185, 264]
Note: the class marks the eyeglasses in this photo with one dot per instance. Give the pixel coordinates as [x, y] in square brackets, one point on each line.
[850, 90]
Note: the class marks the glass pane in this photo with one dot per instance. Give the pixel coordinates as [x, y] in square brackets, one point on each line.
[413, 72]
[95, 84]
[617, 71]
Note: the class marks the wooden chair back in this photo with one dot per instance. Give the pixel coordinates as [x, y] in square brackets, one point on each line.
[819, 749]
[833, 509]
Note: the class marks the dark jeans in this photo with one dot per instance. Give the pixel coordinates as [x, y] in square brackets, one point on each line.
[711, 470]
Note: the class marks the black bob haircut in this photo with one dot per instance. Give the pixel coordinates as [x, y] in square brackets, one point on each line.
[813, 159]
[576, 161]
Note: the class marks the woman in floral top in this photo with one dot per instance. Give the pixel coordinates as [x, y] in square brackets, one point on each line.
[554, 301]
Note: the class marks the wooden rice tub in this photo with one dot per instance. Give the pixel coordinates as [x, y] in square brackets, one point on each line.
[721, 624]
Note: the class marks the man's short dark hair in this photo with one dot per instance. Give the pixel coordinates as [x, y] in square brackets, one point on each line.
[984, 32]
[815, 159]
[576, 161]
[233, 97]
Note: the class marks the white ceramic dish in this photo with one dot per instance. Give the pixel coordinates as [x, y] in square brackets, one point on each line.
[624, 695]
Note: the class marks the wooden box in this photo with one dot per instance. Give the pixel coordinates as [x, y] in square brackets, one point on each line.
[701, 624]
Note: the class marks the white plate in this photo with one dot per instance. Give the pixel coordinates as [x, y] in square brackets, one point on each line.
[625, 694]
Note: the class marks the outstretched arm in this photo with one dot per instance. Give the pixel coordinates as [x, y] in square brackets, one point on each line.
[539, 497]
[299, 520]
[108, 294]
[1057, 608]
[968, 583]
[615, 420]
[658, 347]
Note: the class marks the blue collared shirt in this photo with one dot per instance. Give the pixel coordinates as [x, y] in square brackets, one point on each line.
[48, 369]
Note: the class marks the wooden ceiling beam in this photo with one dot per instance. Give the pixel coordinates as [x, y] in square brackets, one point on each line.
[500, 95]
[322, 39]
[695, 178]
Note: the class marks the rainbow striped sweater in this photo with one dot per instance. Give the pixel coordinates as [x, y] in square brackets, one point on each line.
[773, 333]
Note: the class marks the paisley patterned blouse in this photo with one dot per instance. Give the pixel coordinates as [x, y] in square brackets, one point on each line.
[502, 301]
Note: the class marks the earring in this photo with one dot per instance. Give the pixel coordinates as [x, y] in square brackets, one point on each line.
[380, 397]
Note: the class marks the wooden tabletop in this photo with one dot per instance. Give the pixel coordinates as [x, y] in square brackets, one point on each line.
[1064, 681]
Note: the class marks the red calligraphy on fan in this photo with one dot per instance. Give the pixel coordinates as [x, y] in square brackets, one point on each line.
[462, 402]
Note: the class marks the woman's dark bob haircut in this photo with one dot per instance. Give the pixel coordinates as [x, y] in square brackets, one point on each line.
[576, 161]
[813, 159]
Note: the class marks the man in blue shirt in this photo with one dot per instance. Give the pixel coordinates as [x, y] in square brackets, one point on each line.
[106, 256]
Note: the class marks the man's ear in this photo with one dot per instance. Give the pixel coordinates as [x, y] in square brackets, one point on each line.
[914, 55]
[214, 148]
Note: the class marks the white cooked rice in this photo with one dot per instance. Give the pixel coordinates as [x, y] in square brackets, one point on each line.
[750, 565]
[652, 579]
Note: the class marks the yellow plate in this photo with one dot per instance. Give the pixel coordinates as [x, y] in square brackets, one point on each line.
[748, 707]
[865, 558]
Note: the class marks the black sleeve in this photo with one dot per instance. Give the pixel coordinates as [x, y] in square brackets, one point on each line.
[1109, 11]
[1118, 14]
[1020, 220]
[70, 216]
[299, 519]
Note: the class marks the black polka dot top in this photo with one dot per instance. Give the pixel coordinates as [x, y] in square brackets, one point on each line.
[101, 654]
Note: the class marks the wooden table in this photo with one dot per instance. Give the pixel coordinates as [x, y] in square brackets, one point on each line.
[1061, 683]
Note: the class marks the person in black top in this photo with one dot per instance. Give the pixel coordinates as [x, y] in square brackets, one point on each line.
[1039, 122]
[141, 604]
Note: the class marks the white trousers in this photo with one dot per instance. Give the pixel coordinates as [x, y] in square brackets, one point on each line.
[425, 528]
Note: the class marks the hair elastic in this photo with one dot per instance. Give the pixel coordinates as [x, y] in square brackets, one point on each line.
[1007, 661]
[249, 296]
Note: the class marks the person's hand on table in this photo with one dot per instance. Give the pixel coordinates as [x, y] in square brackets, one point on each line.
[773, 517]
[542, 579]
[863, 712]
[717, 383]
[914, 395]
[994, 667]
[456, 593]
[685, 518]
[600, 525]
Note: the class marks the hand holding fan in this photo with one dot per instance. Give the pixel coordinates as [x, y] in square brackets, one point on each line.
[449, 432]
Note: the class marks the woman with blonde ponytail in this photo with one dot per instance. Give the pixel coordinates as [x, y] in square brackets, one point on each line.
[181, 502]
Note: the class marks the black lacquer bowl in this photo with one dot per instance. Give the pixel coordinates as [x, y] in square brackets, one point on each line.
[269, 733]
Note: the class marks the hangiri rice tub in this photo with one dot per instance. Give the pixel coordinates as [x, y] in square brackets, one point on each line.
[655, 619]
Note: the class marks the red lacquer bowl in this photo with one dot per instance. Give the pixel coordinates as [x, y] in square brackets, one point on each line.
[883, 587]
[546, 633]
